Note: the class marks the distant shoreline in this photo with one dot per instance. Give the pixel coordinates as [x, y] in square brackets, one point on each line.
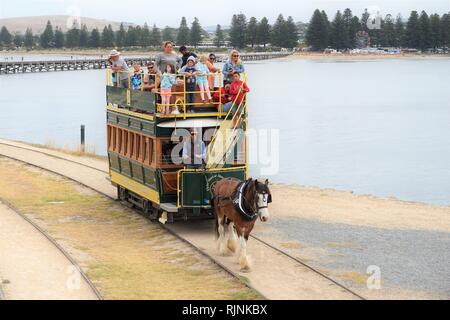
[324, 56]
[295, 56]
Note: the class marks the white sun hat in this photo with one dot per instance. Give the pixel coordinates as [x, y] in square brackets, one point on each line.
[114, 53]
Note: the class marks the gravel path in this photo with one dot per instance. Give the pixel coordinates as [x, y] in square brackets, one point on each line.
[410, 260]
[32, 268]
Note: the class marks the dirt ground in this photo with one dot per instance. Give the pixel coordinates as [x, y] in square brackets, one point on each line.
[122, 253]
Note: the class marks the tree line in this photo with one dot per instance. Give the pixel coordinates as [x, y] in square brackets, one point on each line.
[242, 33]
[346, 31]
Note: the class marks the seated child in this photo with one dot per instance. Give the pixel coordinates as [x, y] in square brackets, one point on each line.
[238, 90]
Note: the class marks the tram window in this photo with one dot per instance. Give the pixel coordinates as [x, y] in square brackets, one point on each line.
[109, 136]
[138, 147]
[144, 149]
[114, 138]
[125, 143]
[131, 145]
[166, 152]
[119, 141]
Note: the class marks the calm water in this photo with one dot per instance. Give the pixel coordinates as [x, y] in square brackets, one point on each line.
[374, 127]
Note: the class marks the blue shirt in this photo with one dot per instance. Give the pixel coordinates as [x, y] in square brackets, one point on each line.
[167, 81]
[228, 66]
[202, 69]
[196, 158]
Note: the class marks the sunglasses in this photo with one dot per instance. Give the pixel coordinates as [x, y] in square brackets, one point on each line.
[235, 56]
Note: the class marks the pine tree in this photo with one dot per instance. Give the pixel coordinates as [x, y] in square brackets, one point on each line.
[84, 37]
[252, 31]
[389, 34]
[29, 39]
[183, 33]
[291, 39]
[435, 31]
[156, 36]
[107, 37]
[399, 32]
[168, 34]
[425, 31]
[413, 33]
[5, 37]
[94, 39]
[146, 36]
[219, 37]
[364, 20]
[238, 30]
[73, 37]
[131, 37]
[59, 38]
[47, 38]
[445, 30]
[349, 37]
[264, 31]
[316, 34]
[327, 24]
[338, 32]
[121, 36]
[18, 40]
[279, 31]
[195, 35]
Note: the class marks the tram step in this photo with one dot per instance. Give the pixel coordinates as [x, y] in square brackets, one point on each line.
[169, 207]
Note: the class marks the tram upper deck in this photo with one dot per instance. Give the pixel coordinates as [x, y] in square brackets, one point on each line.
[148, 103]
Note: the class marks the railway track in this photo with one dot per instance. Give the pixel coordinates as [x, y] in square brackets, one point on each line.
[58, 246]
[173, 231]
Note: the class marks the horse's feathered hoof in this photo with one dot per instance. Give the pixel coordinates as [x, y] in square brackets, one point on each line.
[232, 245]
[223, 250]
[245, 263]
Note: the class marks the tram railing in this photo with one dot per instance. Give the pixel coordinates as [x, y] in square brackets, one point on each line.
[130, 91]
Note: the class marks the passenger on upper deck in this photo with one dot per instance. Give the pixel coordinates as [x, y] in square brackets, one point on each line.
[191, 81]
[185, 55]
[168, 79]
[202, 79]
[167, 57]
[212, 69]
[150, 77]
[234, 64]
[238, 90]
[120, 68]
[136, 78]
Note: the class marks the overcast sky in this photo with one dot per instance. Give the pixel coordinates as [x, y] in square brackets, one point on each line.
[212, 12]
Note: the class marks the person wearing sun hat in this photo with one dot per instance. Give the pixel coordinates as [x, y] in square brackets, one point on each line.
[120, 67]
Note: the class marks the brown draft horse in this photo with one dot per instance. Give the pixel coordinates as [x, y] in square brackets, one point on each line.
[239, 204]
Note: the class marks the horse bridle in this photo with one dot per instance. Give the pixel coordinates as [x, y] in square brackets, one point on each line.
[267, 199]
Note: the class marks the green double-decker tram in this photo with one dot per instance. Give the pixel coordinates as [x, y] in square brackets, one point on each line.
[142, 143]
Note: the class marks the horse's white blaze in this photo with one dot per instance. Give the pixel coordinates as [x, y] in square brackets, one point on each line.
[244, 259]
[263, 202]
[232, 238]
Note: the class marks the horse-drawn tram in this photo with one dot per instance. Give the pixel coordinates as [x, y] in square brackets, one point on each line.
[166, 157]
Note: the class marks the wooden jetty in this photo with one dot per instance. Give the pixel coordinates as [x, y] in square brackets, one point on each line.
[11, 67]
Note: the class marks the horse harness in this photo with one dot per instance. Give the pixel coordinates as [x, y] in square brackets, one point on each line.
[239, 200]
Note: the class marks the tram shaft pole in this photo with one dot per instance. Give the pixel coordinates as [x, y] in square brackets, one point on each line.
[83, 133]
